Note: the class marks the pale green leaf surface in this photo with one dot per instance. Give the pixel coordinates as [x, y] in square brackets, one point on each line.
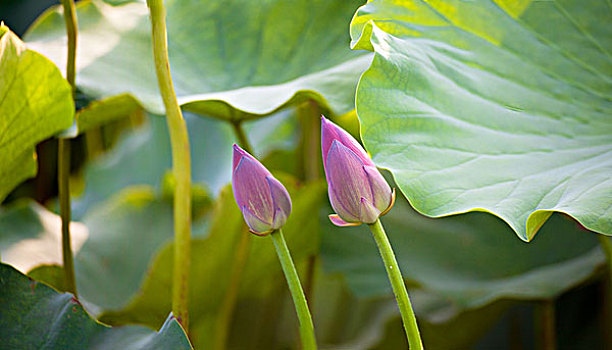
[34, 316]
[230, 60]
[498, 106]
[35, 103]
[471, 259]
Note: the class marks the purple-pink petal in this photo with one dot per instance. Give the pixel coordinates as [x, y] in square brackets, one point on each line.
[336, 220]
[381, 192]
[256, 225]
[347, 180]
[251, 189]
[280, 201]
[331, 132]
[367, 211]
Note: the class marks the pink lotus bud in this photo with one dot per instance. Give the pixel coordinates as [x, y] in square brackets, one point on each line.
[357, 191]
[263, 200]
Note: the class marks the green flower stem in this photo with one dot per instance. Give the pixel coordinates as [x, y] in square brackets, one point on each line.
[308, 113]
[397, 282]
[299, 300]
[606, 245]
[229, 301]
[310, 119]
[63, 152]
[545, 323]
[241, 254]
[181, 165]
[63, 175]
[243, 141]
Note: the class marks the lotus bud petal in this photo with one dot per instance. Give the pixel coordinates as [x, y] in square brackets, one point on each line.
[263, 200]
[357, 191]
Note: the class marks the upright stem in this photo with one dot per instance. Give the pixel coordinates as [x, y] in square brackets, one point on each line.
[243, 141]
[397, 282]
[181, 164]
[310, 118]
[63, 152]
[229, 301]
[71, 30]
[545, 321]
[299, 300]
[64, 199]
[606, 245]
[240, 258]
[308, 114]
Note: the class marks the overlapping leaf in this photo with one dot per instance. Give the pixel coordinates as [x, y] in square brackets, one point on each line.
[34, 316]
[231, 60]
[35, 103]
[492, 105]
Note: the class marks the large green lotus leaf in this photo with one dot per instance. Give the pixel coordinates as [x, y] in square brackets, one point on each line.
[500, 106]
[230, 60]
[143, 156]
[471, 259]
[212, 261]
[35, 103]
[34, 316]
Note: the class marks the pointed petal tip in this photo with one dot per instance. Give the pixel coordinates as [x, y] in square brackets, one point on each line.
[336, 220]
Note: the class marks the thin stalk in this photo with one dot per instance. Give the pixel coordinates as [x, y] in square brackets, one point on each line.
[63, 152]
[231, 296]
[181, 164]
[243, 141]
[310, 118]
[606, 245]
[240, 259]
[71, 31]
[545, 322]
[63, 175]
[397, 282]
[299, 299]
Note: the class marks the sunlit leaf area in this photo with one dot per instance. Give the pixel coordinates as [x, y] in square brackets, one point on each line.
[293, 174]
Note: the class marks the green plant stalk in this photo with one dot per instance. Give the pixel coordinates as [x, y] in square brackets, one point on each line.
[606, 246]
[545, 323]
[397, 282]
[63, 152]
[299, 299]
[181, 165]
[308, 114]
[240, 259]
[63, 175]
[231, 296]
[243, 141]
